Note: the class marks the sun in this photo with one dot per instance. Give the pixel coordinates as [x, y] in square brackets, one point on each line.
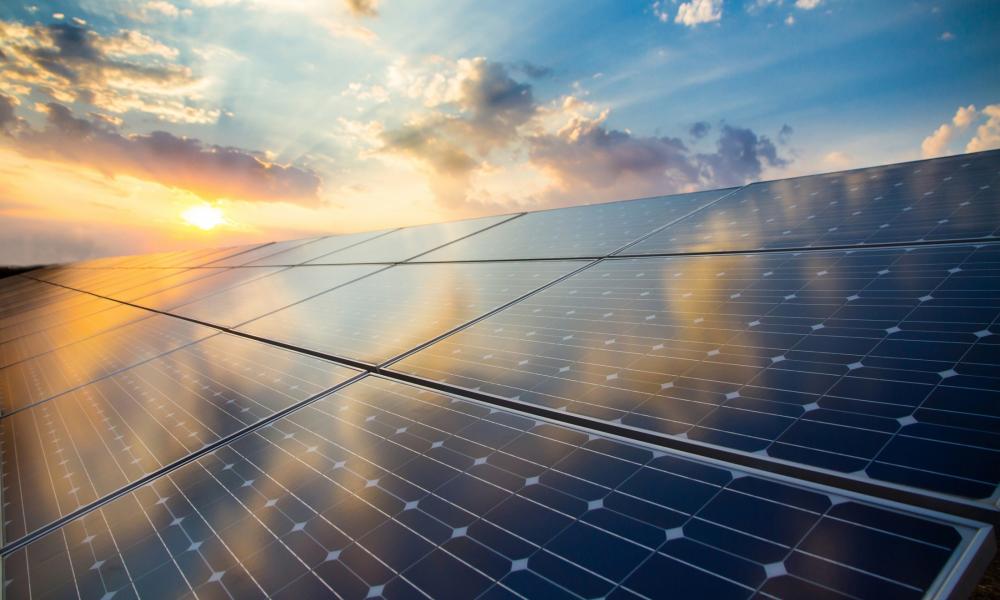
[203, 216]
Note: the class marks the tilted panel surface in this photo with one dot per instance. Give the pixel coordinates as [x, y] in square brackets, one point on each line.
[83, 445]
[578, 231]
[59, 335]
[261, 296]
[243, 258]
[44, 376]
[882, 363]
[315, 249]
[393, 311]
[408, 242]
[217, 281]
[952, 198]
[387, 490]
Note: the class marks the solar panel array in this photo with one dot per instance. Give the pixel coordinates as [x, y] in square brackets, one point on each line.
[786, 389]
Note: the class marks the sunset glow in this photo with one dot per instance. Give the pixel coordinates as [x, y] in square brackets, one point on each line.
[260, 120]
[203, 217]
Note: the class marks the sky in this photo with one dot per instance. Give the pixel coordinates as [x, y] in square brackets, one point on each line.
[131, 126]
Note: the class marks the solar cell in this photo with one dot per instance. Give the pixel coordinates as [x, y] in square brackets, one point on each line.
[952, 198]
[83, 445]
[36, 379]
[388, 313]
[261, 296]
[881, 364]
[383, 489]
[218, 280]
[408, 242]
[23, 347]
[265, 250]
[578, 231]
[315, 249]
[75, 306]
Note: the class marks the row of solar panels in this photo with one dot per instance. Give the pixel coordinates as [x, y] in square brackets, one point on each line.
[168, 425]
[945, 199]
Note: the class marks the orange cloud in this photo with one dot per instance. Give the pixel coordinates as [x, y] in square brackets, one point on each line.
[209, 171]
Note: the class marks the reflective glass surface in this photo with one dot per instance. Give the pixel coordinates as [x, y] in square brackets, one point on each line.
[82, 445]
[880, 363]
[578, 231]
[50, 338]
[943, 199]
[393, 311]
[408, 242]
[63, 305]
[216, 281]
[267, 294]
[385, 490]
[315, 249]
[243, 258]
[33, 380]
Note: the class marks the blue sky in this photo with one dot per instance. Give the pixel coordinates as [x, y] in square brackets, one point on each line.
[301, 116]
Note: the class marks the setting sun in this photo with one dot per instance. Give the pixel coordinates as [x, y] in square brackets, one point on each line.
[203, 216]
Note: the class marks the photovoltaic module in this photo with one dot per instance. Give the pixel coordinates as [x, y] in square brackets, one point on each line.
[787, 389]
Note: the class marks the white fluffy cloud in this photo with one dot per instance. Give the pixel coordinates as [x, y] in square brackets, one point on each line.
[936, 144]
[696, 12]
[988, 134]
[807, 4]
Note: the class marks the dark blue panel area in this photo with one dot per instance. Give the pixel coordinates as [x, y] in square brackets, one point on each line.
[332, 499]
[881, 362]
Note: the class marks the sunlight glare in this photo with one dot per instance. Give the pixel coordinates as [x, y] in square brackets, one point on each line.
[203, 216]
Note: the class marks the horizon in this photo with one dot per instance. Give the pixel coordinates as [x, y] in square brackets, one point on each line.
[147, 125]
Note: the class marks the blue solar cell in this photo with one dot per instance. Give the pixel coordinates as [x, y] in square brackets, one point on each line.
[387, 489]
[880, 363]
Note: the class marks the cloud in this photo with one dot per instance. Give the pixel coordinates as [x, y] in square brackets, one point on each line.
[988, 134]
[115, 73]
[838, 160]
[532, 70]
[209, 171]
[936, 144]
[362, 8]
[946, 36]
[700, 129]
[587, 156]
[660, 11]
[785, 133]
[695, 12]
[482, 139]
[8, 115]
[807, 4]
[479, 109]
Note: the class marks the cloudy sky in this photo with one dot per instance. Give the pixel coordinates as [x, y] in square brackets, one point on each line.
[124, 125]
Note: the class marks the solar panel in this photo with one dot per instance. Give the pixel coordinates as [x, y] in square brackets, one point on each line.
[384, 489]
[955, 198]
[876, 363]
[408, 242]
[218, 280]
[787, 389]
[578, 231]
[392, 311]
[267, 294]
[87, 443]
[36, 379]
[263, 251]
[83, 305]
[315, 249]
[33, 344]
